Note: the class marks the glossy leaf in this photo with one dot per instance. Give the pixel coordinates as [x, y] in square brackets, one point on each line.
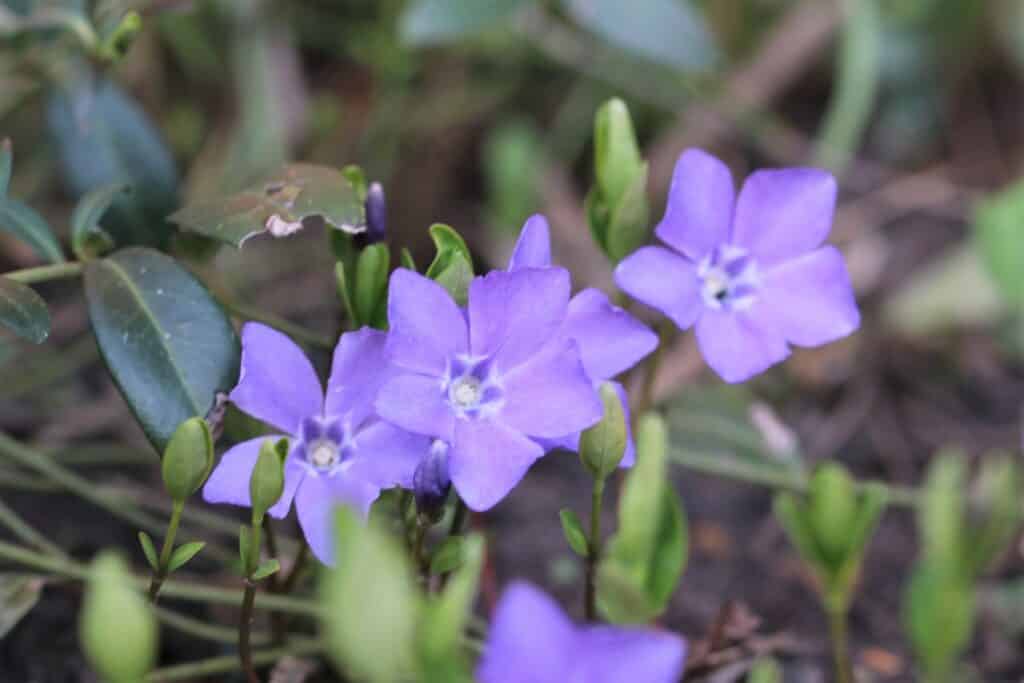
[668, 32]
[440, 21]
[278, 205]
[26, 224]
[23, 312]
[169, 346]
[183, 553]
[452, 266]
[18, 595]
[573, 531]
[88, 239]
[149, 550]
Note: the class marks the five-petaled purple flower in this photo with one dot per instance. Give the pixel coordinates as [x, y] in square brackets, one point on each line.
[489, 380]
[610, 340]
[749, 272]
[531, 640]
[340, 451]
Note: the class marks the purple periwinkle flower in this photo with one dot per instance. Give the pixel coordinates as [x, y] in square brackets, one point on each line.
[340, 451]
[532, 641]
[489, 380]
[749, 272]
[610, 340]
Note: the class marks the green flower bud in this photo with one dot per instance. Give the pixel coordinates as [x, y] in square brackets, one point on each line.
[603, 445]
[832, 506]
[267, 482]
[188, 458]
[616, 153]
[117, 628]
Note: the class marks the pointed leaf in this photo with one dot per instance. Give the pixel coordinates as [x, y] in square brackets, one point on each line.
[452, 267]
[26, 224]
[872, 503]
[407, 260]
[5, 166]
[266, 568]
[574, 534]
[87, 237]
[279, 205]
[149, 550]
[169, 346]
[789, 512]
[182, 554]
[627, 226]
[18, 595]
[23, 311]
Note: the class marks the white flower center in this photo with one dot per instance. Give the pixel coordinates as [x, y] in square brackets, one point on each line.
[730, 279]
[466, 392]
[324, 454]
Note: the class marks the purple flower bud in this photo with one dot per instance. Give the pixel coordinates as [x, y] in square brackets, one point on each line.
[431, 482]
[376, 214]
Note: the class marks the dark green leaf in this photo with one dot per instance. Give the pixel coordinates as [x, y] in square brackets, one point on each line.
[278, 205]
[371, 282]
[168, 344]
[5, 166]
[574, 534]
[23, 311]
[441, 21]
[26, 224]
[448, 556]
[183, 553]
[18, 595]
[104, 137]
[149, 550]
[267, 568]
[669, 32]
[88, 239]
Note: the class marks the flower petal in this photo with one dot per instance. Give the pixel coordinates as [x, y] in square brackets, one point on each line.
[229, 480]
[488, 459]
[810, 299]
[530, 639]
[551, 395]
[607, 654]
[359, 369]
[663, 280]
[512, 315]
[611, 340]
[388, 456]
[315, 505]
[781, 214]
[277, 383]
[739, 345]
[416, 403]
[533, 248]
[698, 216]
[426, 327]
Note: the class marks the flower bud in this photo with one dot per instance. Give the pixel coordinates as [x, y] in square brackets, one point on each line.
[117, 628]
[603, 445]
[616, 153]
[832, 509]
[376, 214]
[431, 482]
[267, 481]
[188, 458]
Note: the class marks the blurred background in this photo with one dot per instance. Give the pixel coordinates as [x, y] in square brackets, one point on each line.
[478, 114]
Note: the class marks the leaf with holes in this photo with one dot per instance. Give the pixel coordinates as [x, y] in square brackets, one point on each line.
[168, 344]
[23, 311]
[279, 205]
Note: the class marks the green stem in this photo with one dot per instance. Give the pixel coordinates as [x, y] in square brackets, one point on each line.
[244, 632]
[838, 633]
[297, 332]
[220, 665]
[25, 532]
[594, 551]
[55, 271]
[202, 630]
[165, 553]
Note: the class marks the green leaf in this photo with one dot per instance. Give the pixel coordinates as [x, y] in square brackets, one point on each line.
[998, 232]
[789, 511]
[574, 534]
[668, 32]
[941, 512]
[341, 278]
[452, 267]
[149, 550]
[441, 21]
[169, 346]
[765, 670]
[996, 506]
[873, 501]
[603, 445]
[18, 595]
[266, 568]
[278, 205]
[26, 224]
[104, 137]
[448, 556]
[23, 311]
[939, 615]
[183, 553]
[372, 283]
[407, 260]
[88, 239]
[372, 607]
[5, 166]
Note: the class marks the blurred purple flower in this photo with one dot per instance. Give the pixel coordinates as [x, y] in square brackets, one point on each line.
[532, 640]
[340, 451]
[749, 272]
[610, 340]
[488, 380]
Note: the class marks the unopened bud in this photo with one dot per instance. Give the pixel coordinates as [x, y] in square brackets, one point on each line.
[376, 214]
[603, 445]
[267, 482]
[832, 509]
[616, 152]
[431, 482]
[187, 459]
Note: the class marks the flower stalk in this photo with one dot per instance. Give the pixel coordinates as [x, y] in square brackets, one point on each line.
[165, 553]
[594, 547]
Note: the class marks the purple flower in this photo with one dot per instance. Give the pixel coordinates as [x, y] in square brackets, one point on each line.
[610, 340]
[750, 273]
[340, 451]
[488, 380]
[532, 641]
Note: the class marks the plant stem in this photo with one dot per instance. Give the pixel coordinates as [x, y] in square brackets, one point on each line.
[55, 271]
[297, 332]
[202, 630]
[165, 553]
[840, 641]
[244, 628]
[220, 665]
[594, 550]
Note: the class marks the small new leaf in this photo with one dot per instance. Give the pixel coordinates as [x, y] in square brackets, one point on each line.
[266, 568]
[452, 267]
[183, 554]
[149, 550]
[88, 239]
[574, 534]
